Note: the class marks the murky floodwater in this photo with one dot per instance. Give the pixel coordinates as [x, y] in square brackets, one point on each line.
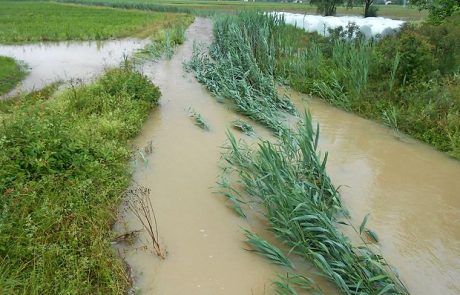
[49, 62]
[411, 191]
[203, 237]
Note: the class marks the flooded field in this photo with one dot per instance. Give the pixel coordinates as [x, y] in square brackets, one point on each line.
[409, 189]
[49, 62]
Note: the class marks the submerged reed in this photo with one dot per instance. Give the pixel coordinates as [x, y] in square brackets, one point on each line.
[289, 180]
[199, 120]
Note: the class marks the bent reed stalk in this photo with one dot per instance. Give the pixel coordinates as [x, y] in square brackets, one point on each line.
[287, 178]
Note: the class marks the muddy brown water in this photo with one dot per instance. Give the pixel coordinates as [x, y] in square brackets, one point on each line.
[410, 190]
[52, 61]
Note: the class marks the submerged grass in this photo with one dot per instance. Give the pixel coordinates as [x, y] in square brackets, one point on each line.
[164, 42]
[11, 73]
[303, 207]
[287, 178]
[65, 164]
[22, 21]
[198, 119]
[244, 127]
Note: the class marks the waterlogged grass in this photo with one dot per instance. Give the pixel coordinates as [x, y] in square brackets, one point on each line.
[287, 178]
[11, 73]
[244, 127]
[198, 119]
[22, 22]
[231, 72]
[64, 159]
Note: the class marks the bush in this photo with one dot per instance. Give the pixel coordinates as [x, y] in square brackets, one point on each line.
[417, 61]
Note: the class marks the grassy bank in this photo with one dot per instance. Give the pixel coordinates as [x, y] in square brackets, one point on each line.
[64, 159]
[287, 178]
[46, 21]
[394, 11]
[11, 73]
[409, 81]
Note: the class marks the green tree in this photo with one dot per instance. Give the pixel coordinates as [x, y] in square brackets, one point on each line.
[327, 7]
[438, 9]
[369, 8]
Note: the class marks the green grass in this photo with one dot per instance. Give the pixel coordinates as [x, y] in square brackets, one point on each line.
[65, 164]
[395, 11]
[11, 73]
[22, 22]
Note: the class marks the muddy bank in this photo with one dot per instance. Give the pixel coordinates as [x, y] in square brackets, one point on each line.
[49, 62]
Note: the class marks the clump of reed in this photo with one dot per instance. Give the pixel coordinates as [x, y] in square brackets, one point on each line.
[289, 180]
[163, 44]
[289, 284]
[232, 70]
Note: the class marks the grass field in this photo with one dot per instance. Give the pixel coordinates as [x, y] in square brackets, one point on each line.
[22, 22]
[11, 73]
[395, 11]
[64, 160]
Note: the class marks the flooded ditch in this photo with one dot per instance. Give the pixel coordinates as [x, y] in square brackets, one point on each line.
[410, 190]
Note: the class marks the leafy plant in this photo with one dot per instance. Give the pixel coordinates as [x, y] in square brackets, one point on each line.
[267, 250]
[199, 120]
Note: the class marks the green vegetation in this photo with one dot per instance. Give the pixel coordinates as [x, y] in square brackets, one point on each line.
[65, 164]
[265, 249]
[211, 6]
[45, 21]
[244, 127]
[409, 81]
[198, 119]
[288, 178]
[164, 43]
[439, 10]
[11, 73]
